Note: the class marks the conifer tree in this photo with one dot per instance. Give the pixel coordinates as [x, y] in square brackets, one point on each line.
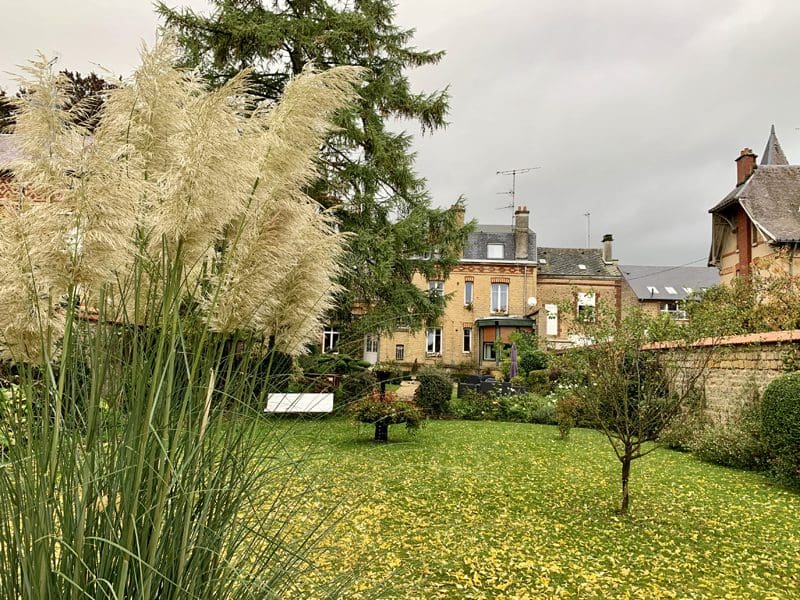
[366, 169]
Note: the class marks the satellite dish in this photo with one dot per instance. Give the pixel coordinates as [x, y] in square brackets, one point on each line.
[532, 301]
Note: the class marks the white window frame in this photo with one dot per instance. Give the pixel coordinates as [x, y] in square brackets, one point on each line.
[330, 340]
[551, 325]
[586, 306]
[436, 287]
[499, 298]
[371, 344]
[491, 354]
[466, 342]
[469, 292]
[495, 251]
[678, 312]
[399, 351]
[433, 341]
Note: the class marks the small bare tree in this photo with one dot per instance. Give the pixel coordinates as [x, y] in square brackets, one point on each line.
[634, 387]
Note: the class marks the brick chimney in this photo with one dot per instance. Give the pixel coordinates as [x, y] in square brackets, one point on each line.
[608, 256]
[521, 225]
[745, 165]
[459, 210]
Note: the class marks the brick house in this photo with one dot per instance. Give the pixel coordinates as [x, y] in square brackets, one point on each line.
[502, 284]
[758, 223]
[663, 290]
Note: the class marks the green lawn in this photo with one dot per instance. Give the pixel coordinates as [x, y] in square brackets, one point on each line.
[505, 510]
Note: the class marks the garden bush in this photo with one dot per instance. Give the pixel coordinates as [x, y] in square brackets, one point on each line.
[539, 382]
[520, 408]
[354, 387]
[388, 409]
[780, 423]
[434, 391]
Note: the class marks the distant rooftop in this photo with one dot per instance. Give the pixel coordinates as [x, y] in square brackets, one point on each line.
[575, 262]
[478, 242]
[668, 283]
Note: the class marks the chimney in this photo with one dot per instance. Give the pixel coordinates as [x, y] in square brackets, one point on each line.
[458, 210]
[745, 165]
[521, 224]
[608, 256]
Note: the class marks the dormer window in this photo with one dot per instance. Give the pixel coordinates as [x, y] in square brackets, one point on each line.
[494, 251]
[670, 290]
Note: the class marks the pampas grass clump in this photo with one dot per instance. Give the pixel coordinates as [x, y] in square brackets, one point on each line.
[146, 267]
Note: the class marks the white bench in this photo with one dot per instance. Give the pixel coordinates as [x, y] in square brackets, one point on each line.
[299, 403]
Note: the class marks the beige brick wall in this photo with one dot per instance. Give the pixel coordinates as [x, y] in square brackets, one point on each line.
[563, 291]
[521, 286]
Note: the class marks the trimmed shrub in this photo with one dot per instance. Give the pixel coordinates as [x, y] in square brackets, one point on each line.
[355, 386]
[539, 382]
[566, 413]
[780, 423]
[434, 391]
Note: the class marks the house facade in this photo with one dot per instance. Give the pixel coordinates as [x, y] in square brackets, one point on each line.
[664, 290]
[757, 225]
[502, 284]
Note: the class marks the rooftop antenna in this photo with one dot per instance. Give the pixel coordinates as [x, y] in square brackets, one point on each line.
[513, 191]
[588, 229]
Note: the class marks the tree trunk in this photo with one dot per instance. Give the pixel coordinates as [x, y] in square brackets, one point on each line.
[626, 473]
[381, 431]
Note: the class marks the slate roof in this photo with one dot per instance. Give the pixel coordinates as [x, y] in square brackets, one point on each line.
[475, 248]
[643, 278]
[773, 153]
[567, 261]
[8, 149]
[771, 198]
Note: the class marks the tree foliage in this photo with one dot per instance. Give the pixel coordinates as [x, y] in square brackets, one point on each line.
[767, 300]
[628, 390]
[366, 169]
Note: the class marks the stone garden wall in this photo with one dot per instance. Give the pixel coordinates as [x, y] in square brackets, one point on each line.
[735, 367]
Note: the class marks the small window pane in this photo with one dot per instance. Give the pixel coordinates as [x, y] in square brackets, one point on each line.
[468, 289]
[434, 341]
[499, 297]
[467, 340]
[436, 288]
[400, 352]
[494, 251]
[488, 351]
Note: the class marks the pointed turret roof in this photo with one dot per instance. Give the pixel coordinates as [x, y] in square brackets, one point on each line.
[773, 153]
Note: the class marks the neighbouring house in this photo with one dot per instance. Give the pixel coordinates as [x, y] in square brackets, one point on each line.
[664, 290]
[502, 284]
[582, 280]
[757, 225]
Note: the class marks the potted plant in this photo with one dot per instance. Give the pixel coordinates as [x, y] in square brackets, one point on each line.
[387, 409]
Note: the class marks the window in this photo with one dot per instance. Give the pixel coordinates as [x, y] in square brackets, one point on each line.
[436, 288]
[586, 306]
[467, 347]
[674, 309]
[488, 351]
[330, 340]
[499, 297]
[652, 290]
[494, 251]
[371, 344]
[434, 340]
[400, 352]
[582, 267]
[670, 290]
[542, 261]
[688, 290]
[552, 318]
[468, 289]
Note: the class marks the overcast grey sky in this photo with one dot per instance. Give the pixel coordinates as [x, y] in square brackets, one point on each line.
[634, 109]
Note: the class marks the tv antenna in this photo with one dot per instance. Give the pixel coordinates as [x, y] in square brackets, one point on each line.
[513, 191]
